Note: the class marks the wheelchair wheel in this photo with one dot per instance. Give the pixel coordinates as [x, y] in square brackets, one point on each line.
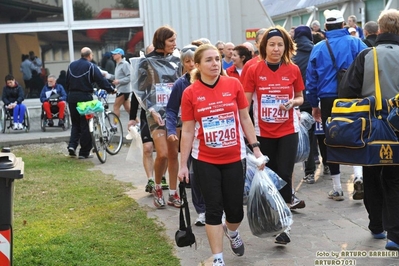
[114, 132]
[43, 121]
[67, 119]
[27, 121]
[3, 120]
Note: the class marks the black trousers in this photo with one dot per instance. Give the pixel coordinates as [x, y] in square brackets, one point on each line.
[381, 198]
[326, 106]
[222, 186]
[282, 153]
[80, 133]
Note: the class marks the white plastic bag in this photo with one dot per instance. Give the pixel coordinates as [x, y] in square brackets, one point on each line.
[303, 149]
[135, 152]
[267, 213]
[250, 172]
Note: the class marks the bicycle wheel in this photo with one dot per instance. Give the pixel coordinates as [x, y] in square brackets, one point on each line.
[115, 133]
[99, 145]
[3, 120]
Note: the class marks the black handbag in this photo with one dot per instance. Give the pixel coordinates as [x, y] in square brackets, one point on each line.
[340, 72]
[184, 236]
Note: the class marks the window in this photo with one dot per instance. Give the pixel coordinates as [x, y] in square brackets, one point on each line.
[56, 37]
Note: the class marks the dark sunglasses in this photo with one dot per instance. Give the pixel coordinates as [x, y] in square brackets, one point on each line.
[188, 48]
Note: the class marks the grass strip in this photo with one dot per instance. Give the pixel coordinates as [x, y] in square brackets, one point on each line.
[65, 214]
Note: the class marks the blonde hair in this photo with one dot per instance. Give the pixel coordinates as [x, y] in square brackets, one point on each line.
[199, 53]
[290, 46]
[388, 21]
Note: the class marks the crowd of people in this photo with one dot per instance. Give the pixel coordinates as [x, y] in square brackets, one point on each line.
[212, 102]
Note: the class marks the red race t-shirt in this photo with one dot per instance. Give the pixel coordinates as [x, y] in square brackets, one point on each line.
[218, 135]
[270, 89]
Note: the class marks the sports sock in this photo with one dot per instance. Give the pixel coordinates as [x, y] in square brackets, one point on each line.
[336, 179]
[232, 234]
[358, 171]
[218, 256]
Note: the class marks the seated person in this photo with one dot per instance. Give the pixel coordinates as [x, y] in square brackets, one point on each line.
[53, 91]
[12, 97]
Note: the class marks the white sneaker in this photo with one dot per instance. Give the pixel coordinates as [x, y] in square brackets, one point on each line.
[200, 220]
[15, 126]
[20, 126]
[218, 262]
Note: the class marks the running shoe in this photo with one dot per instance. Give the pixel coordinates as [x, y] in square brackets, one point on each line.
[358, 192]
[174, 200]
[336, 195]
[163, 183]
[218, 262]
[150, 186]
[159, 202]
[309, 179]
[200, 220]
[283, 238]
[236, 244]
[326, 170]
[297, 203]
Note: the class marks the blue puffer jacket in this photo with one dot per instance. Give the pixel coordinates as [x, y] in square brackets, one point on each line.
[321, 75]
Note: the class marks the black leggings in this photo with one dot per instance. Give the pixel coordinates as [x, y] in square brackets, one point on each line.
[282, 153]
[222, 186]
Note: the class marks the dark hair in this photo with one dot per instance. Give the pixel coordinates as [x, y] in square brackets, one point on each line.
[243, 51]
[290, 46]
[317, 37]
[24, 57]
[371, 27]
[161, 35]
[9, 77]
[334, 26]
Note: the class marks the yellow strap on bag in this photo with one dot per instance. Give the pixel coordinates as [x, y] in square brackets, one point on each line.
[378, 97]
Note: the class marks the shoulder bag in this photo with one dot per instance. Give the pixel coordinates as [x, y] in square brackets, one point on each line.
[340, 72]
[358, 133]
[184, 236]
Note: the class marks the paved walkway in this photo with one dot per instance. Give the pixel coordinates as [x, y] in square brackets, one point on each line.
[325, 230]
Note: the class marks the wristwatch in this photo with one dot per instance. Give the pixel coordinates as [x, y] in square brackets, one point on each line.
[254, 145]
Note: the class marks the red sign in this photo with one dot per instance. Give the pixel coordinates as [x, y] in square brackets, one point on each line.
[250, 34]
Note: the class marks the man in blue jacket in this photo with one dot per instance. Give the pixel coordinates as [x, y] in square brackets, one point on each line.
[321, 77]
[81, 76]
[49, 91]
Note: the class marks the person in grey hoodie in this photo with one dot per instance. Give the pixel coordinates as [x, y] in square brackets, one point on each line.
[121, 80]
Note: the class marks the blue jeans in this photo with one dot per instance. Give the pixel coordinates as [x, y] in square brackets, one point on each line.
[19, 113]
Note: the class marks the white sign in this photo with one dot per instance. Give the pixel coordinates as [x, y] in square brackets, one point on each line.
[124, 13]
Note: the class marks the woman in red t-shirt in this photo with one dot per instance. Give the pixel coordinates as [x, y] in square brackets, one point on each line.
[215, 119]
[241, 55]
[275, 85]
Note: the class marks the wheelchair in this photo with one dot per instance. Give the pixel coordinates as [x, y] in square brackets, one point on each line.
[55, 115]
[6, 117]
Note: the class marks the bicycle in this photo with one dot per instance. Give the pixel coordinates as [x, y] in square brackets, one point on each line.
[105, 129]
